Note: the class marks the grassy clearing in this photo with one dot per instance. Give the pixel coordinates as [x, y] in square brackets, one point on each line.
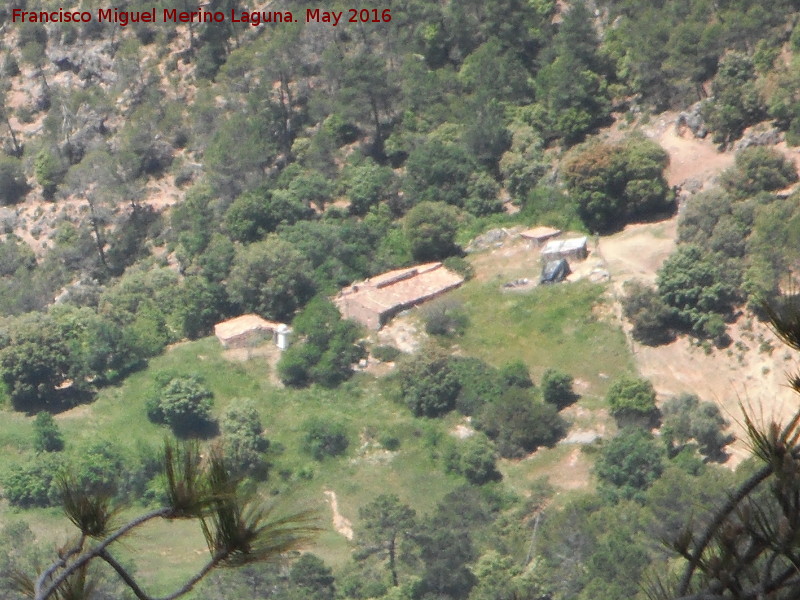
[549, 326]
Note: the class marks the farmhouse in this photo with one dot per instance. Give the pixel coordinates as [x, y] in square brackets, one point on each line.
[538, 236]
[374, 301]
[572, 248]
[247, 331]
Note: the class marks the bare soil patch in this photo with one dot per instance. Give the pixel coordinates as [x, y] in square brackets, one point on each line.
[743, 375]
[690, 158]
[340, 523]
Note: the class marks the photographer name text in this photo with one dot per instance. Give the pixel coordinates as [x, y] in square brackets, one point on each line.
[170, 15]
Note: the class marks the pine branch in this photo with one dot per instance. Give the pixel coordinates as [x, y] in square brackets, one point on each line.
[60, 563]
[186, 588]
[95, 552]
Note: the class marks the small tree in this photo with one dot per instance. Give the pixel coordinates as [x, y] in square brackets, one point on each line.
[518, 424]
[632, 399]
[12, 181]
[46, 434]
[475, 458]
[428, 385]
[384, 521]
[516, 374]
[648, 313]
[557, 388]
[244, 439]
[183, 403]
[629, 464]
[431, 230]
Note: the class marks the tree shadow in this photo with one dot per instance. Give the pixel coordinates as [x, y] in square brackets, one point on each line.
[203, 430]
[56, 402]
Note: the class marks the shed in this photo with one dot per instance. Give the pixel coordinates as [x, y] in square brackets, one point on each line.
[572, 248]
[247, 331]
[538, 236]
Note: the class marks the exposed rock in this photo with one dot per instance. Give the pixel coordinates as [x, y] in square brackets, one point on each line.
[599, 275]
[494, 238]
[90, 63]
[692, 119]
[759, 137]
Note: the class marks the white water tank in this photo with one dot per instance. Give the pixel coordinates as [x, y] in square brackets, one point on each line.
[283, 336]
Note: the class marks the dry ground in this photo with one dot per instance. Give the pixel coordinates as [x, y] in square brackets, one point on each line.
[744, 373]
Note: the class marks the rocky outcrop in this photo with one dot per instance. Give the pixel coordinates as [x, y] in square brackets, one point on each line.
[759, 136]
[692, 120]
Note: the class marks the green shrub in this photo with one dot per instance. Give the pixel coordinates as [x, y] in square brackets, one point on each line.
[46, 434]
[518, 424]
[445, 317]
[324, 438]
[428, 385]
[33, 484]
[516, 374]
[460, 265]
[629, 464]
[386, 353]
[475, 458]
[557, 388]
[631, 398]
[183, 403]
[12, 181]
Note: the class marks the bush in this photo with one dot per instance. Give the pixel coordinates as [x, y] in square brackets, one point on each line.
[329, 350]
[557, 388]
[629, 464]
[758, 169]
[244, 439]
[475, 458]
[633, 399]
[698, 284]
[686, 419]
[518, 424]
[650, 316]
[46, 434]
[615, 183]
[324, 438]
[516, 374]
[386, 353]
[428, 385]
[478, 381]
[33, 484]
[183, 403]
[430, 228]
[445, 317]
[460, 265]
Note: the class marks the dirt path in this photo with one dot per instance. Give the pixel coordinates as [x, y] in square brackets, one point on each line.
[340, 523]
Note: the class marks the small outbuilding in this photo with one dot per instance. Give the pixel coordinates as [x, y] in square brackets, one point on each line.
[539, 236]
[574, 248]
[251, 330]
[555, 271]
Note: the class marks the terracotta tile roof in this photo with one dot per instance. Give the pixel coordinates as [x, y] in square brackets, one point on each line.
[243, 324]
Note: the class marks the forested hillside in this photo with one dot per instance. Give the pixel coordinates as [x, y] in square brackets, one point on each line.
[159, 177]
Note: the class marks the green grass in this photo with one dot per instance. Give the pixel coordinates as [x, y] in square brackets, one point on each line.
[550, 326]
[118, 414]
